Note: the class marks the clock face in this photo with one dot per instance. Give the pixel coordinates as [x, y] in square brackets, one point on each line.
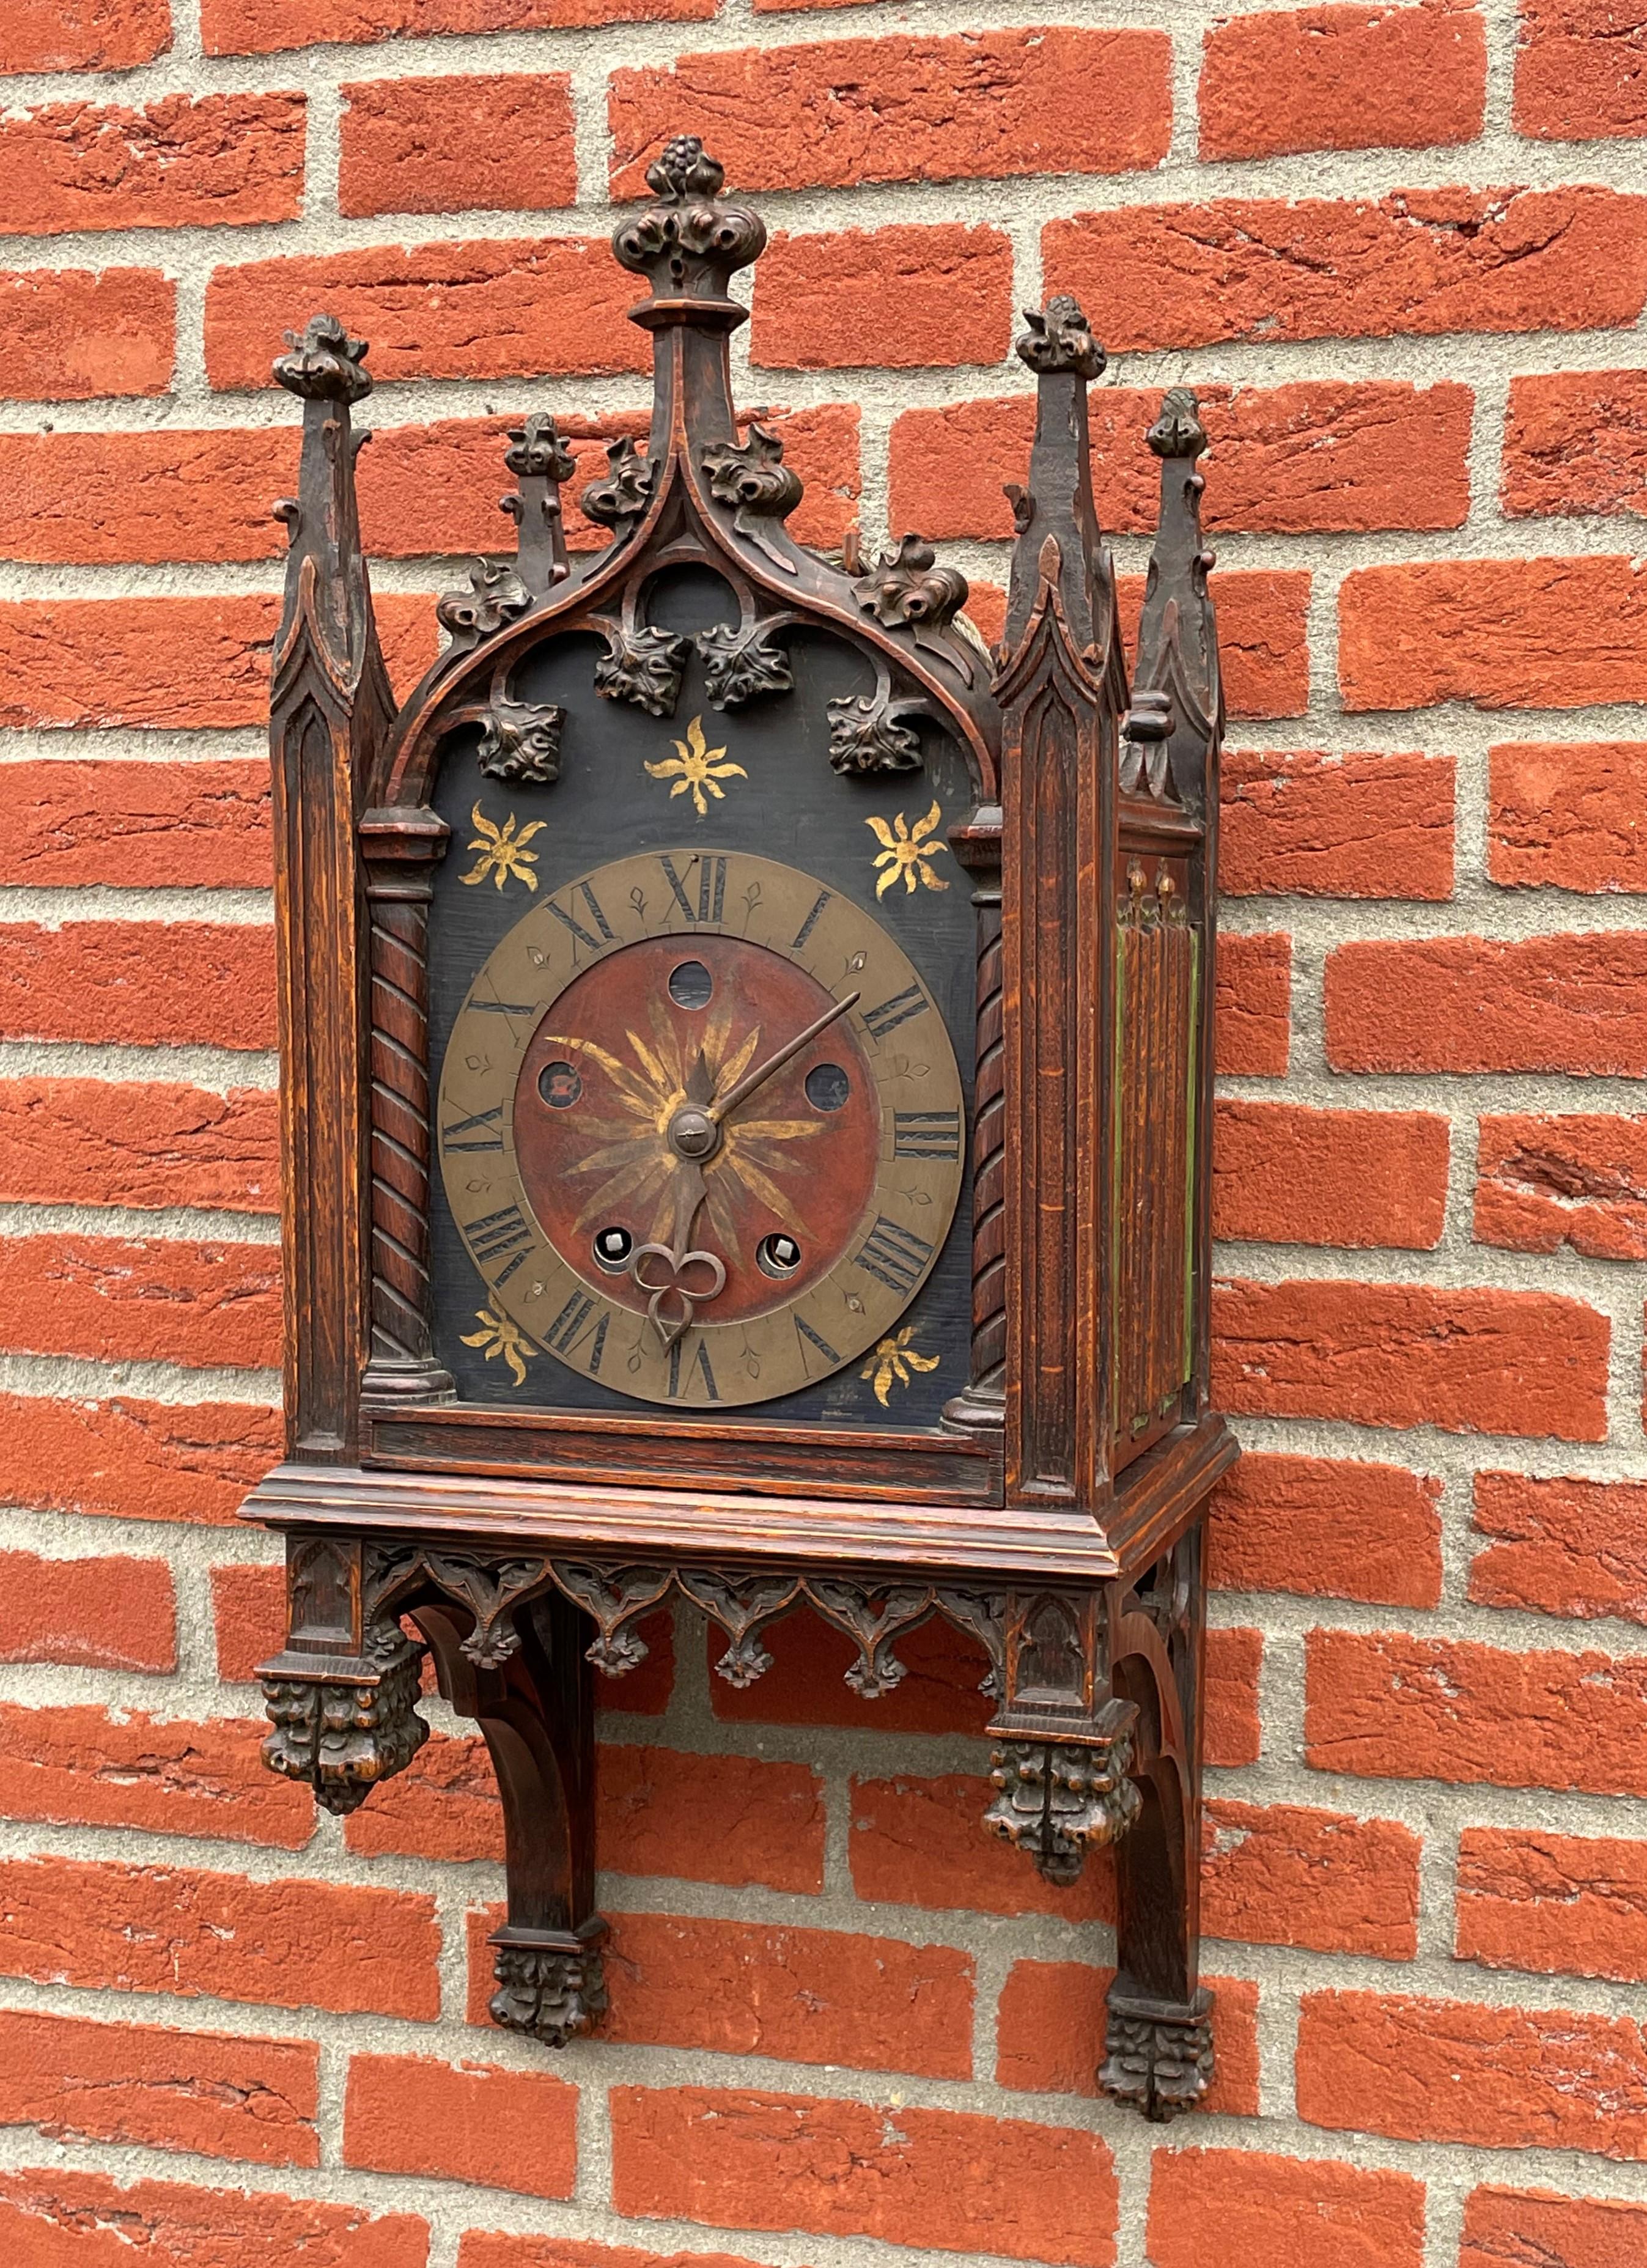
[701, 1128]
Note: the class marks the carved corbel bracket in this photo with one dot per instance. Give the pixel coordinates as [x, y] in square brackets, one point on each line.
[341, 1725]
[550, 1982]
[1158, 2053]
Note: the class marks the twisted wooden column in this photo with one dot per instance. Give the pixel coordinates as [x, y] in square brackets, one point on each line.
[400, 850]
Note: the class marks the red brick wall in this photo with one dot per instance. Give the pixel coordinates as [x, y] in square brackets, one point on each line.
[1403, 250]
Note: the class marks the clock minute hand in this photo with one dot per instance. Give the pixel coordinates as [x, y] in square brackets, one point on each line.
[762, 1072]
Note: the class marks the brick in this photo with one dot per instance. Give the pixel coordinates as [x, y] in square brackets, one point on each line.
[1315, 456]
[1561, 1547]
[182, 161]
[1568, 1904]
[91, 498]
[139, 1142]
[978, 106]
[260, 28]
[1419, 262]
[1298, 822]
[1254, 1003]
[1524, 1363]
[138, 826]
[84, 1766]
[812, 1996]
[807, 1684]
[1447, 2070]
[142, 983]
[44, 35]
[1502, 633]
[248, 1613]
[1503, 2228]
[921, 1842]
[131, 1299]
[445, 1805]
[1341, 78]
[1573, 1180]
[64, 2220]
[68, 334]
[282, 1944]
[1232, 1734]
[1356, 1178]
[1573, 1004]
[1284, 1875]
[187, 663]
[132, 1459]
[457, 144]
[1393, 1707]
[740, 1821]
[1565, 815]
[948, 2179]
[1324, 1527]
[114, 1613]
[1576, 441]
[462, 2122]
[1207, 2207]
[1263, 642]
[483, 2248]
[1581, 70]
[1052, 2022]
[138, 2083]
[542, 307]
[901, 298]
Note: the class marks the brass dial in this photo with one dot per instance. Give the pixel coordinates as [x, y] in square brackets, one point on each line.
[702, 1131]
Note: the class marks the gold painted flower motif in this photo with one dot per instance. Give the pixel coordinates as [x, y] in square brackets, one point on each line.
[895, 1359]
[634, 1165]
[499, 1336]
[905, 851]
[502, 853]
[696, 769]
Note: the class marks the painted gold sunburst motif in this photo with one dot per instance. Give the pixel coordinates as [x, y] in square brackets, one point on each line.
[632, 1166]
[908, 852]
[893, 1361]
[499, 1336]
[696, 769]
[504, 855]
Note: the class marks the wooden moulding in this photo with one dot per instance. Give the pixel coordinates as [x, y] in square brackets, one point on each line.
[1055, 1514]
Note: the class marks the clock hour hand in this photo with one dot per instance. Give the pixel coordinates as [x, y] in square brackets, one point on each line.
[678, 1279]
[764, 1072]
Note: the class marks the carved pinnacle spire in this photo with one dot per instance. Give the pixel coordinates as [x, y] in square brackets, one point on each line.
[326, 568]
[1057, 503]
[1177, 714]
[540, 460]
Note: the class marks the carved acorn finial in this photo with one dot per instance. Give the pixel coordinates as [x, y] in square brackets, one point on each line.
[324, 364]
[689, 244]
[1178, 431]
[1059, 339]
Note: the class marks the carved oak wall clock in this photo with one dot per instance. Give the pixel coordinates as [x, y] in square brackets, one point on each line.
[747, 1055]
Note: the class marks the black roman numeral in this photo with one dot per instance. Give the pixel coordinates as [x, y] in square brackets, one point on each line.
[470, 1126]
[712, 887]
[805, 1334]
[910, 1002]
[926, 1134]
[895, 1255]
[592, 906]
[496, 1233]
[811, 922]
[505, 1007]
[570, 1325]
[700, 1363]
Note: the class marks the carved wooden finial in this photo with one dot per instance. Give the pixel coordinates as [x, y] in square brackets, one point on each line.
[323, 364]
[540, 461]
[1057, 506]
[690, 244]
[1177, 715]
[1059, 339]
